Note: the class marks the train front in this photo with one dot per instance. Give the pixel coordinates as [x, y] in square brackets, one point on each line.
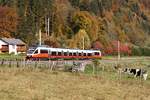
[30, 52]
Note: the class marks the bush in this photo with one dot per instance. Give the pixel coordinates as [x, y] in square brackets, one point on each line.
[140, 51]
[136, 51]
[145, 51]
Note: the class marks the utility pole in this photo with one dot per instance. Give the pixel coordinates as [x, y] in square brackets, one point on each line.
[48, 26]
[83, 44]
[40, 38]
[82, 32]
[118, 50]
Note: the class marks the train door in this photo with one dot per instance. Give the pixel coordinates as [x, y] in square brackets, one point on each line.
[49, 52]
[67, 53]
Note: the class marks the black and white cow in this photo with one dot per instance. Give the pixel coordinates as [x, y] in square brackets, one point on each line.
[136, 72]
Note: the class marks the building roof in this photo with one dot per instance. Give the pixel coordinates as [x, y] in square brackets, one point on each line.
[12, 41]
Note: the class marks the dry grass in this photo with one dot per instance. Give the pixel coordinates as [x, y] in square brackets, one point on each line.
[18, 84]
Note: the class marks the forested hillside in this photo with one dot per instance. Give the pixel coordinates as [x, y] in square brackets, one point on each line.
[67, 23]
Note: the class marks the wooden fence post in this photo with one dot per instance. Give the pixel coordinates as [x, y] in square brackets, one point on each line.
[2, 62]
[52, 65]
[93, 69]
[17, 64]
[10, 64]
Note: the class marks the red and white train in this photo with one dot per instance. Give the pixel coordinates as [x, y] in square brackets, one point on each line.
[36, 53]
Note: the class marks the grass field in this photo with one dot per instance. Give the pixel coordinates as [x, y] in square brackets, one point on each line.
[65, 86]
[11, 56]
[46, 85]
[27, 83]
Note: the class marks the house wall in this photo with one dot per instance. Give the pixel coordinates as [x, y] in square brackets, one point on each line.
[13, 49]
[2, 43]
[21, 48]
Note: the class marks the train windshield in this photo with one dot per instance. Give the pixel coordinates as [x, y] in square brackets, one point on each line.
[31, 50]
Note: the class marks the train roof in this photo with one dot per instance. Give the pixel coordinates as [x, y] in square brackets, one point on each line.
[67, 49]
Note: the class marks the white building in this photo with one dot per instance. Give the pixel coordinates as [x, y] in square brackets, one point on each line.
[12, 45]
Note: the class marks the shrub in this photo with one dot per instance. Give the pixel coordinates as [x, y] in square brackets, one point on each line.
[140, 51]
[124, 48]
[145, 51]
[136, 51]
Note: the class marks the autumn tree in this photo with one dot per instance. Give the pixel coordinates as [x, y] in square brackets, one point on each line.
[61, 22]
[75, 3]
[60, 10]
[84, 20]
[81, 40]
[8, 21]
[32, 13]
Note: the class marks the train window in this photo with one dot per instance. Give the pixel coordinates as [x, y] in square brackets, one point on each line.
[80, 54]
[59, 53]
[70, 54]
[74, 54]
[36, 52]
[53, 53]
[96, 53]
[84, 54]
[65, 53]
[43, 51]
[89, 54]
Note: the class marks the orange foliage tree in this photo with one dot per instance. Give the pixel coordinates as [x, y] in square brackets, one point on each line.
[125, 48]
[8, 21]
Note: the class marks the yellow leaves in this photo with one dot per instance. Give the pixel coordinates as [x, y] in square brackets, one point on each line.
[8, 21]
[81, 19]
[109, 15]
[81, 40]
[84, 20]
[52, 42]
[121, 34]
[5, 34]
